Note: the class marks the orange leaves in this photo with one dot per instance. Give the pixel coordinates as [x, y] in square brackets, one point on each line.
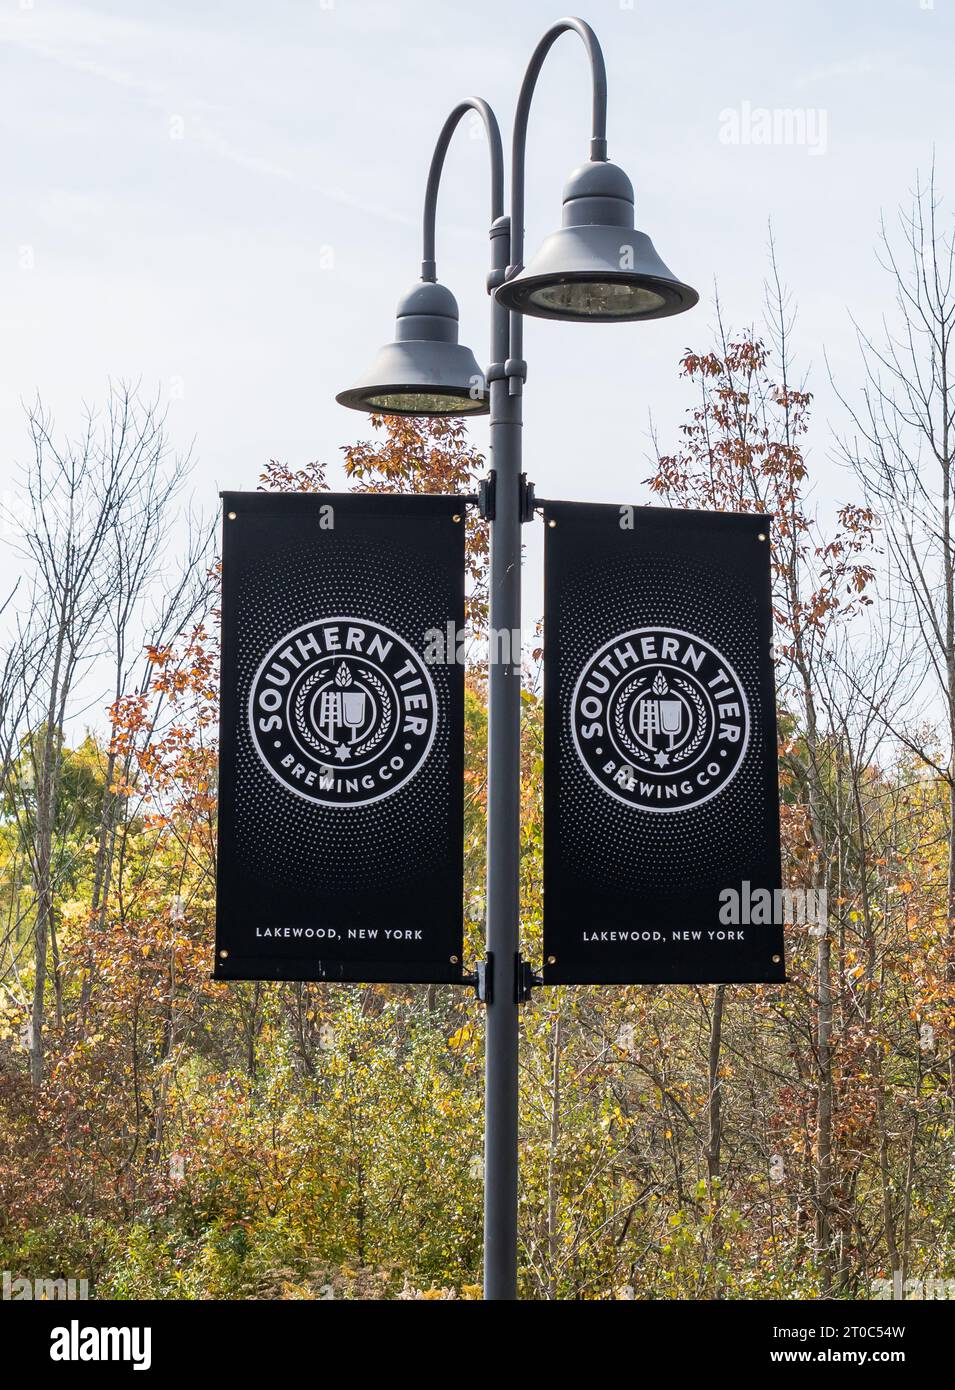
[423, 456]
[427, 455]
[278, 477]
[749, 355]
[742, 451]
[163, 733]
[127, 717]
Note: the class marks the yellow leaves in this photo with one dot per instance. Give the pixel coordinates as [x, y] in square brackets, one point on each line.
[74, 910]
[461, 1038]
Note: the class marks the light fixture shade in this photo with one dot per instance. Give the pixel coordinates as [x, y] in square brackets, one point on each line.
[425, 371]
[597, 268]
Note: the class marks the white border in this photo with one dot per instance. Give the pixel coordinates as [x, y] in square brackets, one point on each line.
[714, 651]
[341, 805]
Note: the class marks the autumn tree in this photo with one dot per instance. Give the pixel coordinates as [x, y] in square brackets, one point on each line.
[743, 450]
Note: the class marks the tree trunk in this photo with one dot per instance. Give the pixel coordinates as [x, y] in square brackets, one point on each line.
[46, 795]
[553, 1229]
[714, 1109]
[824, 1224]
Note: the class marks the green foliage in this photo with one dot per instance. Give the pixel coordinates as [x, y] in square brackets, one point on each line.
[197, 1140]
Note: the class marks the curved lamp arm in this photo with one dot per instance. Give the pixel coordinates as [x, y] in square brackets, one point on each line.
[598, 141]
[428, 271]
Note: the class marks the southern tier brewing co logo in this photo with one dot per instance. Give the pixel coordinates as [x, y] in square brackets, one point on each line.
[659, 719]
[342, 711]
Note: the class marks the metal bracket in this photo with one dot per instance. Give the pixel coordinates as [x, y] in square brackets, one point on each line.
[486, 495]
[482, 980]
[513, 370]
[525, 979]
[484, 985]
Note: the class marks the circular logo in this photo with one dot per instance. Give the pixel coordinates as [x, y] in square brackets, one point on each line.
[342, 711]
[660, 719]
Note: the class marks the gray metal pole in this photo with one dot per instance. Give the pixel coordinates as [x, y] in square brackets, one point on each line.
[503, 978]
[504, 712]
[505, 381]
[503, 819]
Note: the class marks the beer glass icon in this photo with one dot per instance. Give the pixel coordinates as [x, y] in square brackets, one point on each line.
[342, 709]
[671, 719]
[353, 711]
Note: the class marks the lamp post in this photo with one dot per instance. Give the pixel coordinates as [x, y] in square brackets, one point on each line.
[595, 269]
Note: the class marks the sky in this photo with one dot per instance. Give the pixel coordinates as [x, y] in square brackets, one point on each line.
[223, 202]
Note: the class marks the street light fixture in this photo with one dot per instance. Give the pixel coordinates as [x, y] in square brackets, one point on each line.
[425, 371]
[598, 269]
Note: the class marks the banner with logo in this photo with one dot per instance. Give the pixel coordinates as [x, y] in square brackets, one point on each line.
[661, 802]
[341, 745]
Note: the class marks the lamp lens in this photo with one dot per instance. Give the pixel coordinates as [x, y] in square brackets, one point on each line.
[597, 299]
[424, 403]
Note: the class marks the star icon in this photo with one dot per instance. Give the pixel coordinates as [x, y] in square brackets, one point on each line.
[342, 752]
[662, 759]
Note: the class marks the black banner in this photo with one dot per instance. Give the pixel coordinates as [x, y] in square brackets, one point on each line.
[342, 738]
[661, 801]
